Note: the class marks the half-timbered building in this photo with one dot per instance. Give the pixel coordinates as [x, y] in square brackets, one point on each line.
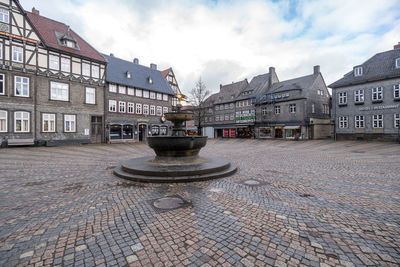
[51, 81]
[169, 75]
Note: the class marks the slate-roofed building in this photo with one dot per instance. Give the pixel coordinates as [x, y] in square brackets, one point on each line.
[295, 109]
[51, 81]
[136, 99]
[366, 101]
[221, 116]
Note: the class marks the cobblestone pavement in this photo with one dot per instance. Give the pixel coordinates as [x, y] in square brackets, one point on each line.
[313, 203]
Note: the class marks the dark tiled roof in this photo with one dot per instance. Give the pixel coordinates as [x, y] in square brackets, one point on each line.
[229, 92]
[117, 69]
[379, 67]
[301, 83]
[257, 85]
[48, 29]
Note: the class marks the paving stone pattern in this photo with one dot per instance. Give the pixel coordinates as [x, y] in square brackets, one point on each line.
[316, 203]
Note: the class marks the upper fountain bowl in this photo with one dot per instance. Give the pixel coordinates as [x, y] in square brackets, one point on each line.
[177, 146]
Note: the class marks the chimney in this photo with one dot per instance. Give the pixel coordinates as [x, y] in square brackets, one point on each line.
[153, 66]
[136, 61]
[220, 86]
[316, 69]
[35, 11]
[111, 54]
[397, 46]
[271, 72]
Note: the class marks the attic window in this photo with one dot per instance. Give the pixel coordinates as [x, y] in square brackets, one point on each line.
[128, 75]
[397, 63]
[150, 80]
[358, 71]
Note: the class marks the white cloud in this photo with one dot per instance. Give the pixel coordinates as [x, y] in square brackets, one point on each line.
[232, 40]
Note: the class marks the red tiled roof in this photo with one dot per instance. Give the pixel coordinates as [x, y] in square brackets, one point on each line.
[47, 27]
[165, 72]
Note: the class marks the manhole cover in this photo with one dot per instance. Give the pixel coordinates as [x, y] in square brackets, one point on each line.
[169, 203]
[253, 182]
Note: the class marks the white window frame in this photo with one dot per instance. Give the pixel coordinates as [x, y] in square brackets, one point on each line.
[312, 108]
[342, 96]
[292, 108]
[146, 94]
[377, 93]
[25, 128]
[377, 121]
[165, 97]
[358, 71]
[396, 120]
[131, 107]
[121, 106]
[139, 92]
[264, 111]
[359, 121]
[65, 64]
[95, 71]
[159, 111]
[4, 16]
[226, 117]
[138, 108]
[152, 95]
[277, 109]
[112, 88]
[232, 117]
[152, 110]
[71, 118]
[54, 62]
[85, 69]
[343, 122]
[2, 84]
[24, 81]
[396, 91]
[1, 50]
[112, 105]
[57, 91]
[122, 89]
[90, 95]
[130, 91]
[17, 54]
[145, 109]
[159, 96]
[217, 118]
[50, 118]
[3, 121]
[325, 108]
[397, 63]
[165, 110]
[359, 96]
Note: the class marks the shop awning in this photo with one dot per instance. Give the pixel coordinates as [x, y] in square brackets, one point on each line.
[291, 127]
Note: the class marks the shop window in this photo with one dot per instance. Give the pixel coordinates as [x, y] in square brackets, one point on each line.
[115, 131]
[265, 132]
[127, 132]
[155, 130]
[163, 130]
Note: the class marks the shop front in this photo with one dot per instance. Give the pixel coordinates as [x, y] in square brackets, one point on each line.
[244, 131]
[278, 132]
[121, 131]
[159, 130]
[229, 132]
[292, 132]
[265, 132]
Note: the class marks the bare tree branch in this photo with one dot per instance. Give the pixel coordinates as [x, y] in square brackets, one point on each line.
[197, 97]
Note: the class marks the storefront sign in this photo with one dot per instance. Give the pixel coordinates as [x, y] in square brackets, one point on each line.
[379, 107]
[245, 116]
[142, 120]
[233, 133]
[226, 133]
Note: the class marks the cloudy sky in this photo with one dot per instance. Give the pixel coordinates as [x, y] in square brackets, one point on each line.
[228, 40]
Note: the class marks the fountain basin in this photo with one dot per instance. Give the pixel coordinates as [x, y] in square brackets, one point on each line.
[177, 146]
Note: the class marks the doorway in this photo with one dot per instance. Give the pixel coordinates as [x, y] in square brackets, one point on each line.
[142, 132]
[278, 132]
[96, 133]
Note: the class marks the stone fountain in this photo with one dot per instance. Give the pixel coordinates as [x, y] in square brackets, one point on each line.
[177, 157]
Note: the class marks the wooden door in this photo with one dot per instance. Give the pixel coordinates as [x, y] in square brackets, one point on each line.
[96, 133]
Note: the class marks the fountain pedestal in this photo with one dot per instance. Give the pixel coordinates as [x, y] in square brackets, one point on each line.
[177, 158]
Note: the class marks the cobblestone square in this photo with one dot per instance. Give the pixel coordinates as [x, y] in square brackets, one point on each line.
[306, 203]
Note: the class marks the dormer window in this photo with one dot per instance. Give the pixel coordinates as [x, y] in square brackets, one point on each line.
[69, 43]
[67, 40]
[358, 71]
[398, 63]
[128, 75]
[150, 80]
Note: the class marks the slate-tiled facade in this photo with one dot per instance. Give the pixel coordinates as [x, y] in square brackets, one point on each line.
[366, 101]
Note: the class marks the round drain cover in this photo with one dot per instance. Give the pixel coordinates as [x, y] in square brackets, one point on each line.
[251, 182]
[168, 203]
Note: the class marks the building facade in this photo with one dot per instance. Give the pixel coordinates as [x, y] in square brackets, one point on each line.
[366, 101]
[169, 75]
[136, 99]
[295, 109]
[51, 81]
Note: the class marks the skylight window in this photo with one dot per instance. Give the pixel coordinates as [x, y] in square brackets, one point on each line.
[150, 80]
[128, 75]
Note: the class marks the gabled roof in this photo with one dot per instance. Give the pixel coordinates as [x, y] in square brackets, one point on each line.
[257, 85]
[229, 92]
[48, 30]
[117, 69]
[165, 72]
[300, 83]
[380, 66]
